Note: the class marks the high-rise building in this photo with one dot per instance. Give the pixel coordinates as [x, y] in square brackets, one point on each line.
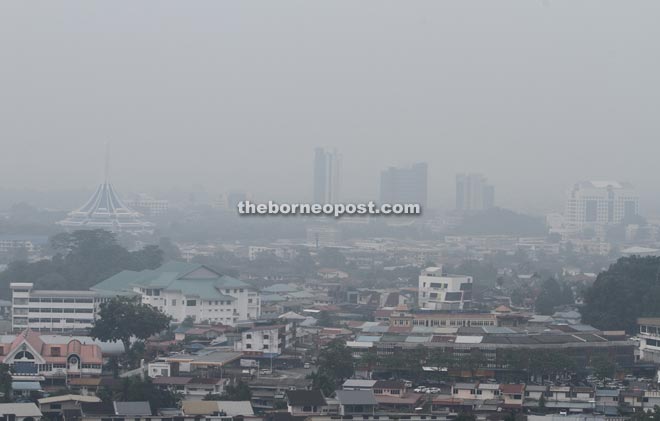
[600, 203]
[473, 193]
[327, 176]
[404, 184]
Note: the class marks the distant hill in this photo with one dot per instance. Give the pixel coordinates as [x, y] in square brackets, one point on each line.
[499, 221]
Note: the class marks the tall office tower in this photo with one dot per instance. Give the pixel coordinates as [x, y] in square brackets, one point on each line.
[473, 193]
[327, 176]
[404, 184]
[600, 203]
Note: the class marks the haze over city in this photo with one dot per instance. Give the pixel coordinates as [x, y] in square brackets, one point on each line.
[236, 95]
[329, 210]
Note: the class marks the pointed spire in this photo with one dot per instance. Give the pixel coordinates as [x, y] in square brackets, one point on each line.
[107, 163]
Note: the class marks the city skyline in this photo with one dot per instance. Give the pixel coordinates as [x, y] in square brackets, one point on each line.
[420, 86]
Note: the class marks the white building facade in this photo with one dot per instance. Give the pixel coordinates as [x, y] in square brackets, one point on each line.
[440, 291]
[265, 340]
[183, 290]
[590, 203]
[53, 311]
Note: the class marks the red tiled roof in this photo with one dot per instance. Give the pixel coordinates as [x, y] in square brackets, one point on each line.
[512, 388]
[57, 353]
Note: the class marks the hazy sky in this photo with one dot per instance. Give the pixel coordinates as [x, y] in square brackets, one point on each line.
[236, 94]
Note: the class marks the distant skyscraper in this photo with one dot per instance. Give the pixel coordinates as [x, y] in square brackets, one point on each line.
[327, 176]
[473, 193]
[600, 203]
[404, 184]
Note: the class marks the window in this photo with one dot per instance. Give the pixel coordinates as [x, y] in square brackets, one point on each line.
[248, 346]
[517, 396]
[191, 303]
[173, 303]
[249, 300]
[266, 336]
[265, 346]
[248, 336]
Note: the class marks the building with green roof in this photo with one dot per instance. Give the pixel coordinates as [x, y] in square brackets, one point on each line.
[183, 290]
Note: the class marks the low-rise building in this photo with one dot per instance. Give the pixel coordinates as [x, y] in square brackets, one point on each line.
[29, 357]
[441, 291]
[265, 340]
[649, 339]
[305, 402]
[356, 402]
[20, 412]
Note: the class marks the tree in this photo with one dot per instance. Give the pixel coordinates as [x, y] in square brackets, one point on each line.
[135, 389]
[5, 383]
[322, 382]
[122, 318]
[324, 319]
[549, 298]
[603, 367]
[80, 260]
[542, 402]
[629, 289]
[336, 361]
[170, 250]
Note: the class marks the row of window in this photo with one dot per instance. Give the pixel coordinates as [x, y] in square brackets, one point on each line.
[62, 300]
[652, 342]
[50, 320]
[249, 346]
[60, 310]
[649, 329]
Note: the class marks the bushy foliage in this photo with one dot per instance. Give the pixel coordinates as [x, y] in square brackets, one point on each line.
[629, 289]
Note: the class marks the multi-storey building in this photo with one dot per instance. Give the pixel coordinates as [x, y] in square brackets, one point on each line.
[649, 338]
[53, 311]
[327, 176]
[265, 340]
[184, 290]
[32, 358]
[441, 319]
[590, 203]
[473, 193]
[440, 291]
[404, 185]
